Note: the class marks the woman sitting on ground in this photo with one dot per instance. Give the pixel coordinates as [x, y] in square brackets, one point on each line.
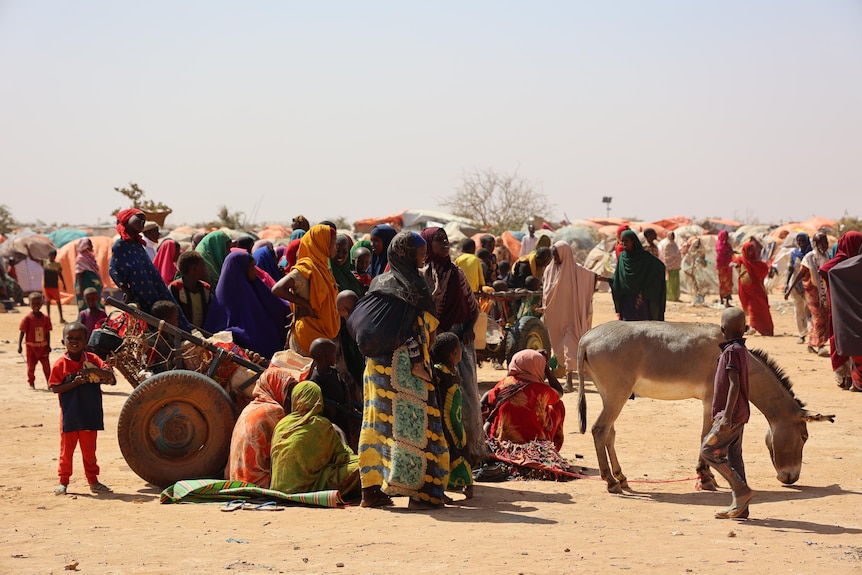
[523, 406]
[307, 453]
[251, 442]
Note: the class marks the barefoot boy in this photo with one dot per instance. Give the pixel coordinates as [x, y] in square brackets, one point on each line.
[76, 378]
[722, 446]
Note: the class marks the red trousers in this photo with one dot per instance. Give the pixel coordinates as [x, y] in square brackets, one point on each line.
[34, 356]
[68, 442]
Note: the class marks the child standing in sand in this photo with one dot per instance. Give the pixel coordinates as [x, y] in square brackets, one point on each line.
[76, 378]
[722, 446]
[36, 333]
[52, 275]
[94, 314]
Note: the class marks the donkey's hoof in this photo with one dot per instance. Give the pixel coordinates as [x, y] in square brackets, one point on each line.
[615, 488]
[706, 484]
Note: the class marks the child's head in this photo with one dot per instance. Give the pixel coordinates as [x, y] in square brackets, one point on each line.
[361, 259]
[166, 310]
[533, 283]
[91, 297]
[245, 242]
[75, 338]
[192, 266]
[468, 246]
[345, 301]
[543, 257]
[733, 323]
[447, 349]
[342, 249]
[36, 300]
[52, 255]
[322, 351]
[504, 267]
[500, 285]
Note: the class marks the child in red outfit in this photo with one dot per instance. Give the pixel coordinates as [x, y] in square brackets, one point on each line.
[76, 378]
[36, 333]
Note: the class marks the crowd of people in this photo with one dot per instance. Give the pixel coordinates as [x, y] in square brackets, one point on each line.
[391, 406]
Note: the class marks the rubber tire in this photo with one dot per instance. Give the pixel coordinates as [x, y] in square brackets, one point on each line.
[528, 333]
[200, 415]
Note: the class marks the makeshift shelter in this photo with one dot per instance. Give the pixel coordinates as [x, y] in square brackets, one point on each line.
[67, 255]
[365, 225]
[63, 236]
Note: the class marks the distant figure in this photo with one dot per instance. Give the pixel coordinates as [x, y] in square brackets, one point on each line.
[638, 284]
[752, 291]
[529, 241]
[669, 254]
[650, 237]
[166, 260]
[796, 290]
[723, 258]
[52, 275]
[722, 446]
[87, 272]
[815, 294]
[150, 235]
[471, 265]
[694, 266]
[35, 331]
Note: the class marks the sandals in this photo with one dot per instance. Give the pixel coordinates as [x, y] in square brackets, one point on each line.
[60, 490]
[100, 488]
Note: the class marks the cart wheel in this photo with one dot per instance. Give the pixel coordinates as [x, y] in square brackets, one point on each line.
[528, 333]
[176, 425]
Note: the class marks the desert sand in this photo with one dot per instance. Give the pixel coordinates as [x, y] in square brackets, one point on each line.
[663, 525]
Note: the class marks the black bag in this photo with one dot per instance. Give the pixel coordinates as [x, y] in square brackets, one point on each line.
[380, 324]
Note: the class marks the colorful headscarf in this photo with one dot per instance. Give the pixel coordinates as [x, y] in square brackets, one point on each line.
[723, 250]
[379, 261]
[264, 258]
[297, 234]
[214, 250]
[847, 246]
[306, 401]
[528, 365]
[123, 218]
[166, 260]
[343, 274]
[86, 259]
[290, 254]
[313, 264]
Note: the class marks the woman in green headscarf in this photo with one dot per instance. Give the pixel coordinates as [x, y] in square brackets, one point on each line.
[307, 453]
[638, 285]
[214, 248]
[341, 268]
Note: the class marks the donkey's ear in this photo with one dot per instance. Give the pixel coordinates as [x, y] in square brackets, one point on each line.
[809, 416]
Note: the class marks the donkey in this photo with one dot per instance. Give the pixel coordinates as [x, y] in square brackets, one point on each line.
[664, 360]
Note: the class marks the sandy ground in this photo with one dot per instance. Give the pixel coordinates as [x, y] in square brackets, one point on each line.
[513, 527]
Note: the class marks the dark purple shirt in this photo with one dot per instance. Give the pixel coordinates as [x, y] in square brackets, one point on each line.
[733, 356]
[90, 318]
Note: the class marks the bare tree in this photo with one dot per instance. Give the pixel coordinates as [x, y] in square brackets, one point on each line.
[7, 222]
[498, 201]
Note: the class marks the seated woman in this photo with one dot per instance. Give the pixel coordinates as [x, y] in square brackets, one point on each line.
[523, 407]
[307, 453]
[251, 442]
[244, 306]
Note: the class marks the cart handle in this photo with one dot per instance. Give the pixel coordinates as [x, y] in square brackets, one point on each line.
[161, 325]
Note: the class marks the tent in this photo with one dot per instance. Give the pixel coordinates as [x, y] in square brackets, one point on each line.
[67, 255]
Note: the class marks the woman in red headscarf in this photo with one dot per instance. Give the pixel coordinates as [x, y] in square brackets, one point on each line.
[752, 291]
[723, 259]
[523, 407]
[847, 369]
[132, 270]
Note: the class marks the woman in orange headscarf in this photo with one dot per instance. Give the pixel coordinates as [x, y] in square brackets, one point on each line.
[311, 288]
[752, 291]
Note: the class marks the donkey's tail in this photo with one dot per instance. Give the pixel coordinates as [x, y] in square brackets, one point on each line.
[582, 400]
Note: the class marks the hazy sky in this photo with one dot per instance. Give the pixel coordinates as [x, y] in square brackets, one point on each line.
[738, 109]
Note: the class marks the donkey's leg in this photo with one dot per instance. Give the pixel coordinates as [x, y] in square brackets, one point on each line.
[602, 430]
[615, 462]
[705, 478]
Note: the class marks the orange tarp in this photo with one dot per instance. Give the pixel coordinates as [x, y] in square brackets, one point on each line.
[273, 232]
[672, 223]
[67, 255]
[367, 224]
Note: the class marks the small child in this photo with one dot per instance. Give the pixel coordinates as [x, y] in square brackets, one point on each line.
[94, 315]
[722, 446]
[336, 400]
[532, 304]
[76, 378]
[52, 275]
[36, 333]
[447, 355]
[191, 292]
[504, 271]
[161, 355]
[361, 263]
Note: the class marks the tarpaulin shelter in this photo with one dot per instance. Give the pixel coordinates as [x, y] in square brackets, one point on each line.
[67, 255]
[365, 225]
[27, 245]
[63, 236]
